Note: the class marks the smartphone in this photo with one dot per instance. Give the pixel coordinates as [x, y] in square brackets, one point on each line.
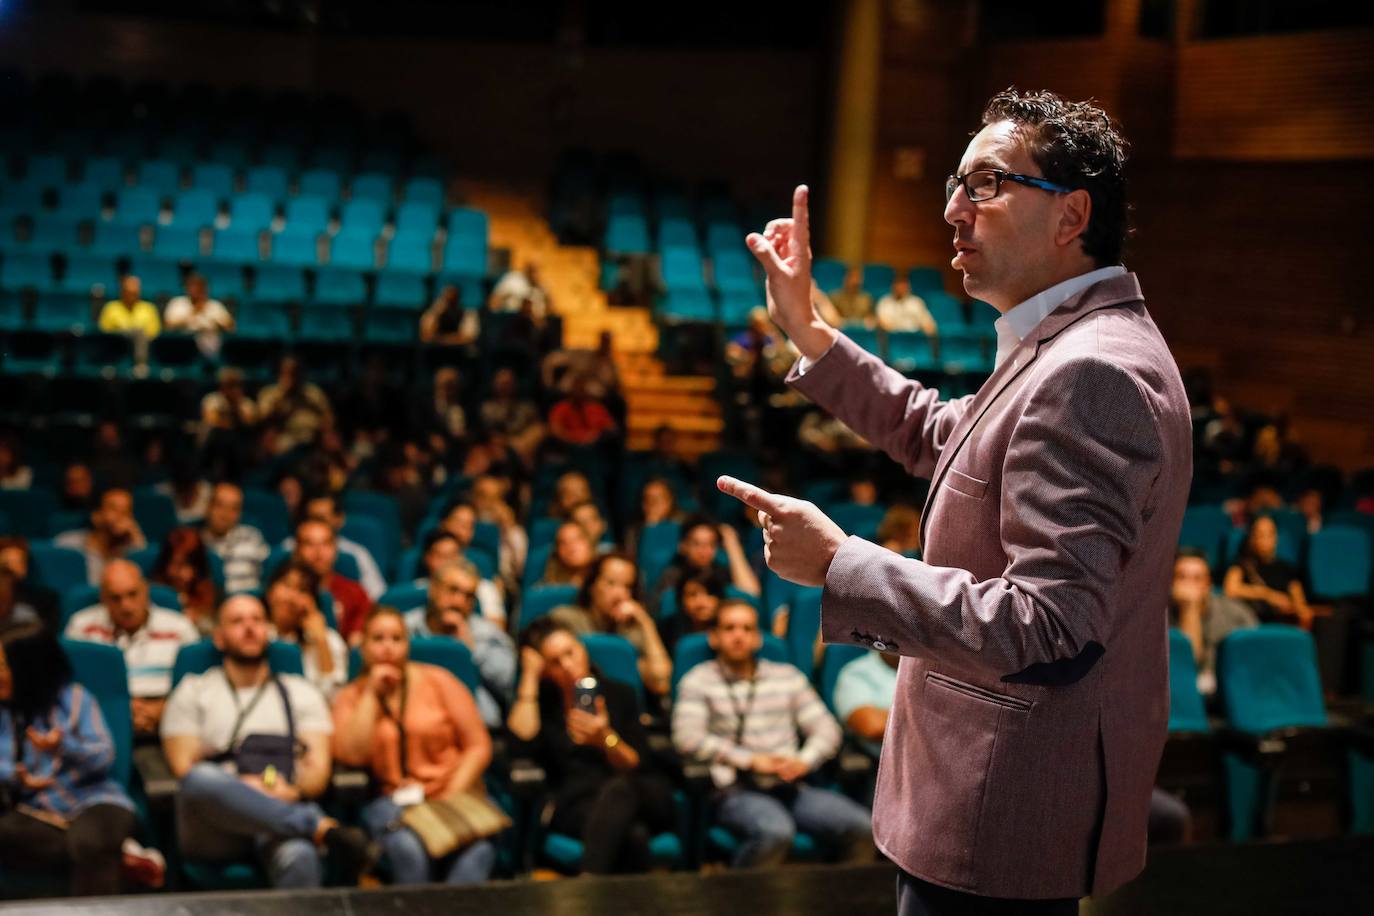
[585, 692]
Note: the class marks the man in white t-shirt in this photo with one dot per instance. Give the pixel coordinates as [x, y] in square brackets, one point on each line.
[224, 814]
[518, 286]
[863, 697]
[198, 314]
[903, 310]
[149, 637]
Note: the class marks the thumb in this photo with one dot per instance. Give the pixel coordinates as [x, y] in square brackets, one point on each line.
[765, 252]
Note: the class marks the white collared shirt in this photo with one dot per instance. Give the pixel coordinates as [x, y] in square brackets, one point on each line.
[1018, 322]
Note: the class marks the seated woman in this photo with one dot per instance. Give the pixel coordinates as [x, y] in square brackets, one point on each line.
[698, 598]
[573, 553]
[417, 729]
[606, 790]
[608, 603]
[292, 600]
[697, 546]
[1271, 585]
[184, 565]
[56, 754]
[570, 490]
[657, 503]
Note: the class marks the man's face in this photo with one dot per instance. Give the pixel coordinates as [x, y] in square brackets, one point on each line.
[77, 482]
[115, 517]
[125, 595]
[462, 524]
[196, 289]
[441, 553]
[572, 489]
[226, 508]
[322, 510]
[1192, 580]
[1002, 244]
[736, 636]
[699, 546]
[241, 631]
[130, 290]
[452, 597]
[316, 548]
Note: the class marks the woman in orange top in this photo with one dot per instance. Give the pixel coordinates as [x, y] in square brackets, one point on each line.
[417, 728]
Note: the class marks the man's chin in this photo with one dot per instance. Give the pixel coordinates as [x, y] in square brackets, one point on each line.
[248, 657]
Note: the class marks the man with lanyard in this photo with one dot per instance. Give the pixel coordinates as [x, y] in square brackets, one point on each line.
[742, 714]
[234, 736]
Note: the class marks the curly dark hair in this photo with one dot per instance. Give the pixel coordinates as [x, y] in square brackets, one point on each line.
[1075, 144]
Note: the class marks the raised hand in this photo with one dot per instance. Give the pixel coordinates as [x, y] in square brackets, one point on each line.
[799, 540]
[784, 250]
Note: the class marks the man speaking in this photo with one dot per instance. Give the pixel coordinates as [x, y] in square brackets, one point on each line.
[1032, 695]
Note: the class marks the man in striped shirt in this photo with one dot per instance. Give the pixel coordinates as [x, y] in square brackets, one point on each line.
[149, 637]
[742, 714]
[240, 546]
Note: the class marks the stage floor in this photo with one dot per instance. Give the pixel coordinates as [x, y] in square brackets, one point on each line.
[1330, 876]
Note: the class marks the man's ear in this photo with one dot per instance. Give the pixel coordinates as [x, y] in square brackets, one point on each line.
[1074, 216]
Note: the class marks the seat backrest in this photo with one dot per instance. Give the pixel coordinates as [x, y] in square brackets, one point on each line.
[371, 535]
[836, 657]
[542, 599]
[1186, 710]
[405, 597]
[1338, 562]
[100, 669]
[1268, 679]
[200, 657]
[535, 565]
[58, 568]
[29, 511]
[617, 659]
[694, 648]
[803, 623]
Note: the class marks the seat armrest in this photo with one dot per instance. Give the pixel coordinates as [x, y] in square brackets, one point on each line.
[160, 784]
[527, 778]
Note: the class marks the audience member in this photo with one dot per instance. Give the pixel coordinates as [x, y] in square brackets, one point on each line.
[190, 493]
[113, 533]
[441, 419]
[1204, 616]
[293, 610]
[608, 603]
[449, 612]
[657, 504]
[824, 307]
[1271, 585]
[588, 515]
[27, 596]
[183, 564]
[562, 368]
[606, 789]
[416, 728]
[65, 809]
[699, 596]
[228, 422]
[328, 508]
[235, 803]
[490, 500]
[460, 522]
[571, 489]
[699, 542]
[518, 288]
[294, 410]
[900, 530]
[149, 637]
[572, 557]
[853, 304]
[1310, 504]
[863, 696]
[316, 547]
[77, 493]
[903, 310]
[579, 419]
[14, 473]
[505, 410]
[240, 547]
[130, 313]
[196, 313]
[741, 714]
[447, 323]
[111, 463]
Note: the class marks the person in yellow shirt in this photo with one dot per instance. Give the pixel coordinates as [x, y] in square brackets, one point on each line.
[130, 312]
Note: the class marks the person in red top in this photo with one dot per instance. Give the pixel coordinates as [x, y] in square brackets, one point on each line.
[317, 548]
[579, 419]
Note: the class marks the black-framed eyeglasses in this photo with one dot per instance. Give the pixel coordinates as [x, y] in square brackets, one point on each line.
[985, 184]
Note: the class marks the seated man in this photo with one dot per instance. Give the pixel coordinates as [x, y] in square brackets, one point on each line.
[113, 533]
[226, 813]
[742, 714]
[130, 313]
[196, 313]
[452, 600]
[150, 638]
[328, 508]
[903, 310]
[316, 548]
[863, 697]
[460, 521]
[242, 547]
[1204, 616]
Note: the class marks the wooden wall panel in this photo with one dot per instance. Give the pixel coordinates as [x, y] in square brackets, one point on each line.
[1301, 97]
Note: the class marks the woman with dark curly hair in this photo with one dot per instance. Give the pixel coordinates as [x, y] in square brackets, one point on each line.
[184, 565]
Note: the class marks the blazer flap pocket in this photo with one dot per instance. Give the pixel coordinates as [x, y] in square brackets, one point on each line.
[969, 486]
[978, 693]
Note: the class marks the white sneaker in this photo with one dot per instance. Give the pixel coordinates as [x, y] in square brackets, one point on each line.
[144, 866]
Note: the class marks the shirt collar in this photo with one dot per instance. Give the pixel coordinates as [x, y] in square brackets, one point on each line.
[1022, 319]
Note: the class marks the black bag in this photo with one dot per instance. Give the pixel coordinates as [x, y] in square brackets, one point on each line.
[255, 753]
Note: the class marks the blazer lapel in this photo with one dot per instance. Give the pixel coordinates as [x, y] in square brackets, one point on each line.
[1111, 292]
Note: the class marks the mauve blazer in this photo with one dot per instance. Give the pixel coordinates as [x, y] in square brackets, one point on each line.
[1032, 696]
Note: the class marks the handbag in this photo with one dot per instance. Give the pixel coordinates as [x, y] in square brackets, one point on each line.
[256, 753]
[447, 824]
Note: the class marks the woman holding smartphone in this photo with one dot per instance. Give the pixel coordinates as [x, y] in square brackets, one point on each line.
[589, 740]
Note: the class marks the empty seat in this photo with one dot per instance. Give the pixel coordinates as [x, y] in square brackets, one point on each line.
[53, 233]
[236, 245]
[58, 313]
[627, 234]
[225, 280]
[160, 175]
[878, 279]
[910, 350]
[253, 210]
[105, 172]
[417, 218]
[925, 279]
[270, 180]
[282, 156]
[676, 233]
[339, 286]
[355, 248]
[689, 305]
[196, 207]
[410, 251]
[400, 290]
[1338, 563]
[372, 185]
[308, 212]
[724, 236]
[257, 320]
[279, 283]
[295, 247]
[100, 355]
[46, 171]
[327, 323]
[734, 270]
[177, 243]
[735, 306]
[364, 213]
[425, 190]
[26, 198]
[215, 177]
[86, 271]
[321, 183]
[137, 206]
[682, 270]
[159, 277]
[22, 270]
[80, 201]
[391, 326]
[116, 241]
[32, 351]
[828, 273]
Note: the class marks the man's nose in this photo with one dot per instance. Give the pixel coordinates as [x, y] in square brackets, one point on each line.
[959, 209]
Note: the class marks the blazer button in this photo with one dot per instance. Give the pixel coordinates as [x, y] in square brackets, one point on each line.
[879, 645]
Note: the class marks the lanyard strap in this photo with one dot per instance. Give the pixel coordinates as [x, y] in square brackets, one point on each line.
[399, 719]
[741, 712]
[245, 710]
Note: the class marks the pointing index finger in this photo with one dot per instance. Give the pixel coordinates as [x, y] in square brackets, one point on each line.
[751, 496]
[801, 221]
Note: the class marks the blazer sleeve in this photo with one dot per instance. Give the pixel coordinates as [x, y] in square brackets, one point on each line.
[1076, 487]
[900, 416]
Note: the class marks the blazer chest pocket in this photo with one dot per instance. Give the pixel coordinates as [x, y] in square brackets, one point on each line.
[963, 483]
[979, 693]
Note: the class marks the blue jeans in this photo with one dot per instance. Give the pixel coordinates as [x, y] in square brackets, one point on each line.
[766, 825]
[220, 819]
[410, 863]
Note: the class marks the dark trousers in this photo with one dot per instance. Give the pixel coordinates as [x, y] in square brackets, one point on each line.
[616, 824]
[90, 848]
[921, 898]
